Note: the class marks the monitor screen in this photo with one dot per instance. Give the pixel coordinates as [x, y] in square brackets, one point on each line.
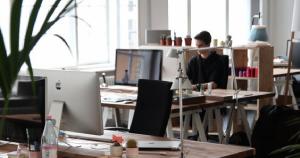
[25, 111]
[80, 93]
[134, 64]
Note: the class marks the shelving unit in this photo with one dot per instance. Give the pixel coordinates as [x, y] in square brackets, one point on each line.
[262, 58]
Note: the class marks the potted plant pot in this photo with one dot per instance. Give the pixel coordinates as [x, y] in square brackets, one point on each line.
[169, 41]
[162, 42]
[132, 150]
[178, 41]
[188, 41]
[116, 151]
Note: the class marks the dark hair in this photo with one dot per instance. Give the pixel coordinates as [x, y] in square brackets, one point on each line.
[204, 36]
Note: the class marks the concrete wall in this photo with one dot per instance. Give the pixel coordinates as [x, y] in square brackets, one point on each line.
[280, 16]
[153, 14]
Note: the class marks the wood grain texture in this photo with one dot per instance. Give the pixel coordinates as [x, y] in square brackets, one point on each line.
[193, 149]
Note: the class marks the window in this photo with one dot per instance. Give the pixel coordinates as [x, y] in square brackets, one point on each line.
[211, 16]
[239, 20]
[101, 27]
[178, 17]
[110, 24]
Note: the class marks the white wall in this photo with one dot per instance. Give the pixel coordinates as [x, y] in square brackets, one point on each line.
[280, 16]
[153, 14]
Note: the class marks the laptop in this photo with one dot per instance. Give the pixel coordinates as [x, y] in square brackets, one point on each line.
[154, 145]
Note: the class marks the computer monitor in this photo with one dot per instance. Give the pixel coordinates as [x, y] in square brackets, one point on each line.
[134, 64]
[25, 110]
[80, 93]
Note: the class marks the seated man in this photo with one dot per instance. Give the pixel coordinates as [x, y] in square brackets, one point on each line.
[207, 66]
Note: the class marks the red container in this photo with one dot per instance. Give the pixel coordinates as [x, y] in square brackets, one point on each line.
[256, 72]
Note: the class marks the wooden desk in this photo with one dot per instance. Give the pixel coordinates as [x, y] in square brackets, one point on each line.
[280, 65]
[282, 72]
[193, 149]
[190, 111]
[35, 118]
[229, 96]
[279, 75]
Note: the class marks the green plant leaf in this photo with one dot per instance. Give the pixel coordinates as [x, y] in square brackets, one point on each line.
[14, 35]
[65, 42]
[289, 148]
[67, 8]
[297, 155]
[31, 22]
[45, 27]
[28, 62]
[84, 21]
[4, 67]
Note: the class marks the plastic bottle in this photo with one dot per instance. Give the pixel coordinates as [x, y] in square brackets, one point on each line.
[49, 140]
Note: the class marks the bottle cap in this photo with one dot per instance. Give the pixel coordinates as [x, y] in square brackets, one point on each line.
[49, 117]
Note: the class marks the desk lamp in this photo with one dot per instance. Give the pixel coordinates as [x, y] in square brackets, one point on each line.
[182, 82]
[295, 28]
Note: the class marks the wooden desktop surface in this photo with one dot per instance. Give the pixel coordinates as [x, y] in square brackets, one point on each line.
[224, 94]
[36, 118]
[174, 108]
[228, 95]
[282, 72]
[193, 149]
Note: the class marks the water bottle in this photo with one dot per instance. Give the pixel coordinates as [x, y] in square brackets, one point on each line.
[49, 140]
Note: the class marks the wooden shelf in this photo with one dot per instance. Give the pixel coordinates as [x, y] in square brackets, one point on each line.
[244, 78]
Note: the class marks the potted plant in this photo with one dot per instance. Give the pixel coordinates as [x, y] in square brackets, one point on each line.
[162, 40]
[178, 41]
[116, 148]
[169, 41]
[132, 150]
[13, 56]
[188, 40]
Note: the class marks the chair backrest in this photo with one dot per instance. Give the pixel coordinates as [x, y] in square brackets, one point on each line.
[153, 107]
[296, 55]
[225, 62]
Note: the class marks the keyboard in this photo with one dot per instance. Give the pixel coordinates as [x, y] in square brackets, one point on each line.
[118, 98]
[101, 138]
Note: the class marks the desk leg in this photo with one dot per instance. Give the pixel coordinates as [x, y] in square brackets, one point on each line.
[130, 117]
[198, 123]
[117, 117]
[186, 125]
[243, 114]
[169, 131]
[291, 91]
[229, 124]
[104, 115]
[219, 124]
[209, 113]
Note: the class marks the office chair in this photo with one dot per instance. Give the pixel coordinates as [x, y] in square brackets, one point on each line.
[225, 62]
[152, 109]
[296, 64]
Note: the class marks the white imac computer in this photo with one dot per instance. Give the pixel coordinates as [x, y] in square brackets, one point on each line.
[80, 93]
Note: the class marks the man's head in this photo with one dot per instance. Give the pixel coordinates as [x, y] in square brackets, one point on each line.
[203, 39]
